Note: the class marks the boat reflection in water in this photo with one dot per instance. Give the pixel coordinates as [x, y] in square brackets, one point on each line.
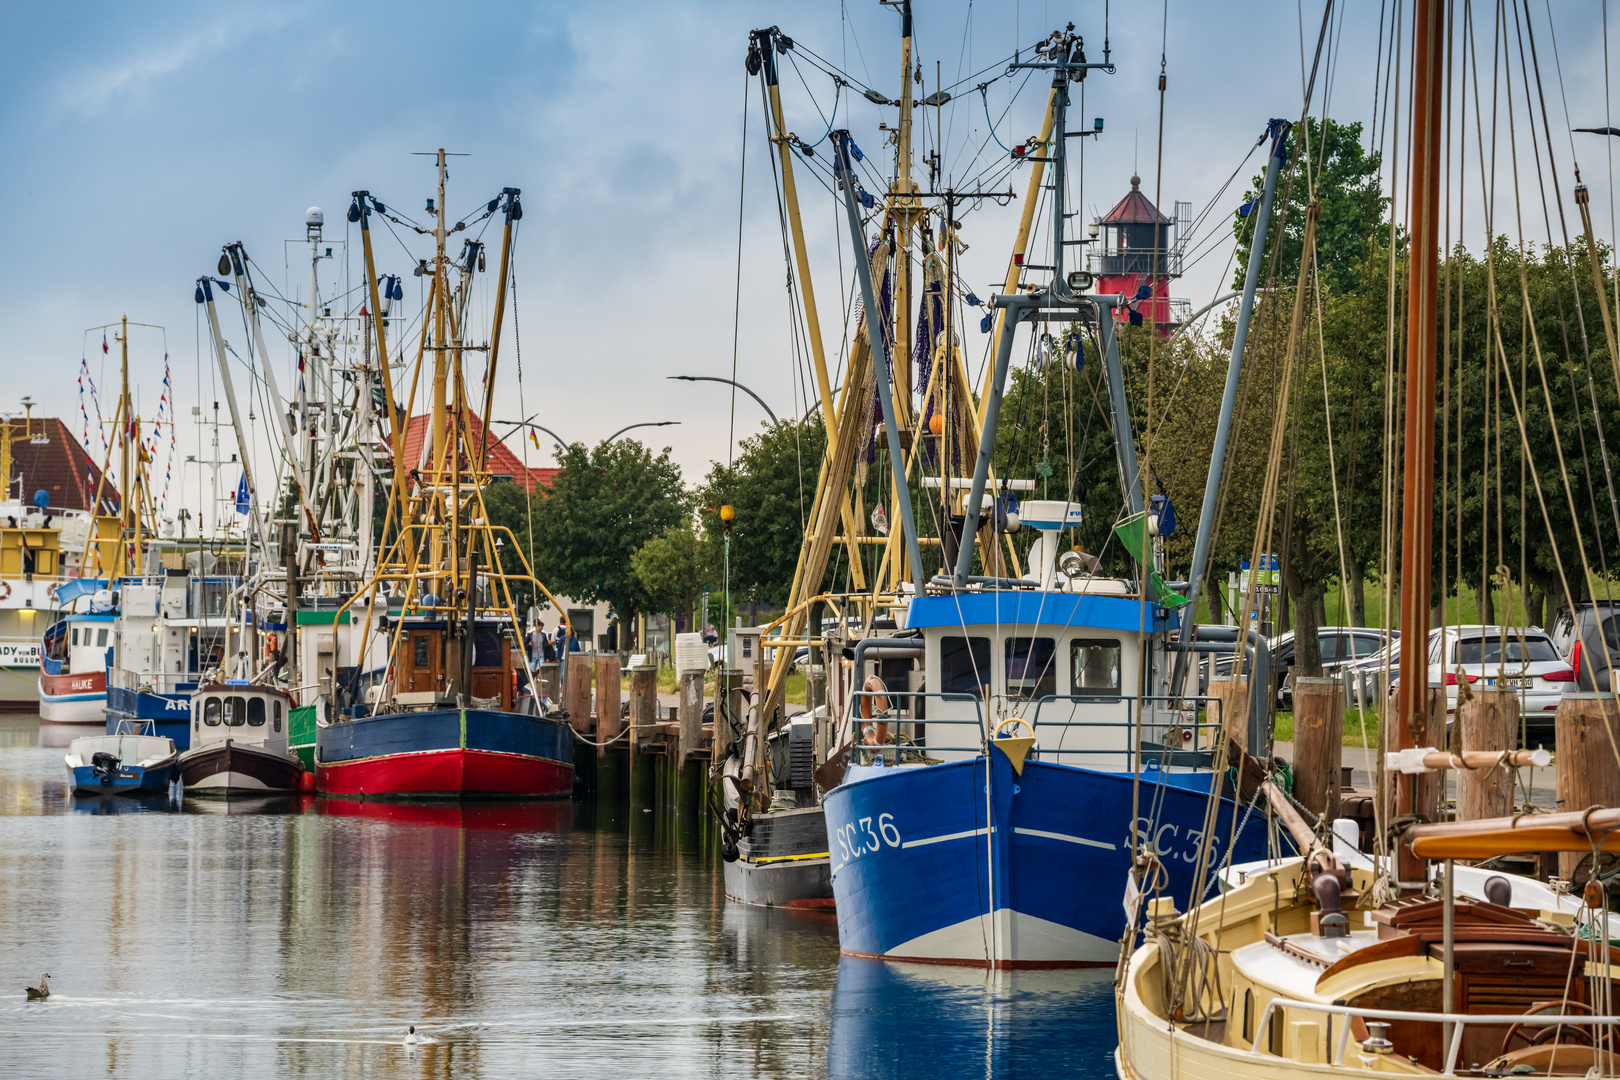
[242, 806]
[548, 815]
[155, 803]
[896, 1020]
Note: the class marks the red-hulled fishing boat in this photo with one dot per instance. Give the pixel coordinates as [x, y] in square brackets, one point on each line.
[455, 717]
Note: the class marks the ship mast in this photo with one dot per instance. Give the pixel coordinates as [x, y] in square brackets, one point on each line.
[1417, 521]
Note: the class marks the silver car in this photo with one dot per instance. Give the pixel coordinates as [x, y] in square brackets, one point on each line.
[1504, 658]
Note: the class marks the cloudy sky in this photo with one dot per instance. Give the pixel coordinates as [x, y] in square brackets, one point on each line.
[141, 138]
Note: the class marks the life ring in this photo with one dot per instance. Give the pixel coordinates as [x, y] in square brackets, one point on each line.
[50, 592]
[272, 645]
[875, 699]
[5, 590]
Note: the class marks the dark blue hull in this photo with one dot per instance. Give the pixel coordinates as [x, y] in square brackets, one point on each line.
[127, 780]
[169, 714]
[917, 875]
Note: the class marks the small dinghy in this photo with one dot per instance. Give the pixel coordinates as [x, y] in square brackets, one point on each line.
[131, 762]
[239, 741]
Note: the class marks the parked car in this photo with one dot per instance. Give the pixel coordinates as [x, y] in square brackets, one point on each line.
[1588, 640]
[1369, 675]
[1504, 658]
[1342, 646]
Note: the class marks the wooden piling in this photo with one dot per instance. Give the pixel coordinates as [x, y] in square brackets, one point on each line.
[1488, 722]
[1318, 744]
[690, 711]
[609, 697]
[577, 691]
[1586, 728]
[1233, 694]
[643, 705]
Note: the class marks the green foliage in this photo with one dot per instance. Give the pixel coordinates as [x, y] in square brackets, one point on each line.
[772, 485]
[1353, 207]
[602, 507]
[672, 568]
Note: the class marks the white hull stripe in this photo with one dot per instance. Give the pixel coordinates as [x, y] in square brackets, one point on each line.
[942, 839]
[1062, 836]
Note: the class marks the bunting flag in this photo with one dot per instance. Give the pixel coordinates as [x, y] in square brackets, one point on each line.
[165, 409]
[243, 501]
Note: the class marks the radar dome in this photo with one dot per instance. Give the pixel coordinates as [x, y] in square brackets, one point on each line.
[313, 216]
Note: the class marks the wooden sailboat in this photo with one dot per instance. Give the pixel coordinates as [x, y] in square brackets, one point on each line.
[445, 722]
[1338, 963]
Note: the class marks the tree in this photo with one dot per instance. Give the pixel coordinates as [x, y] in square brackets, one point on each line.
[604, 504]
[673, 569]
[771, 484]
[1353, 207]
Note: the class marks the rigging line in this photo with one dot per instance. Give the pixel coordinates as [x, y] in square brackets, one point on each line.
[736, 311]
[1569, 260]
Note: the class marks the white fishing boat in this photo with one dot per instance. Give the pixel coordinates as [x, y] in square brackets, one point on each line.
[239, 741]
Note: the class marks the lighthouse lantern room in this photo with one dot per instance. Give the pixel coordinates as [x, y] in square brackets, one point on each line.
[1137, 249]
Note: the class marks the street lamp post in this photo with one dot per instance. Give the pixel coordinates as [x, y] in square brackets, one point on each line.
[649, 423]
[729, 382]
[529, 423]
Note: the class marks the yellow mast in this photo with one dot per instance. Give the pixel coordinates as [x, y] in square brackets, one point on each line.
[905, 210]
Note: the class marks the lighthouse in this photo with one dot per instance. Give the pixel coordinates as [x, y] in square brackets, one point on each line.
[1136, 251]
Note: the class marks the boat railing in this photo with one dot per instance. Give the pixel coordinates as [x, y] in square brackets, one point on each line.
[1164, 755]
[880, 751]
[1459, 1022]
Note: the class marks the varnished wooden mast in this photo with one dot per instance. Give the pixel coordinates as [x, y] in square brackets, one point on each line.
[1417, 514]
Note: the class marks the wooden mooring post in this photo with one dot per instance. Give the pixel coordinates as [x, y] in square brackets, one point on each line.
[1586, 728]
[1489, 722]
[1318, 744]
[643, 726]
[577, 691]
[1233, 694]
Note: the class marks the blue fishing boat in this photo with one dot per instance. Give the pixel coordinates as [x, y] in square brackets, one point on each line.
[1005, 837]
[130, 762]
[1024, 757]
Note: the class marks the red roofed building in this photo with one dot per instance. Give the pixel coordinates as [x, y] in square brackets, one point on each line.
[45, 456]
[1135, 241]
[503, 464]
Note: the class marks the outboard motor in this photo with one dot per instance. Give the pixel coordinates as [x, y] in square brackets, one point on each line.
[104, 766]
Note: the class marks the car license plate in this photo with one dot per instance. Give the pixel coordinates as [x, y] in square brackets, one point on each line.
[1514, 682]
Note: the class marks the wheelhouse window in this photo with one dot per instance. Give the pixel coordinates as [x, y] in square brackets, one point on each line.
[275, 712]
[75, 635]
[419, 644]
[101, 637]
[964, 665]
[255, 712]
[1031, 668]
[212, 711]
[1094, 667]
[235, 711]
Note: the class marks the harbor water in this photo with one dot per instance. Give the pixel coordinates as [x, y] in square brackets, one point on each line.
[300, 936]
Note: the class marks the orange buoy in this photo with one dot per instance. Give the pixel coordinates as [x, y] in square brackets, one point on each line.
[936, 423]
